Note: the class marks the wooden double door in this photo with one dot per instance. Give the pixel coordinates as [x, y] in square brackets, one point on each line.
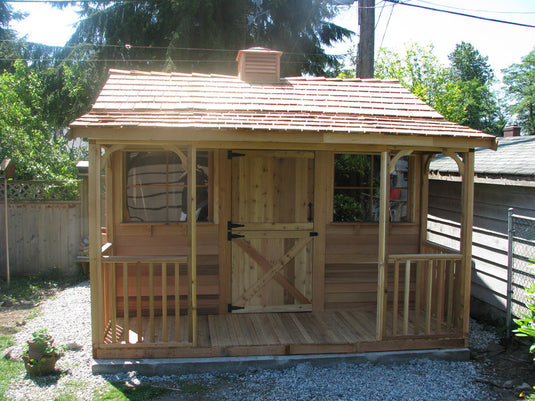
[272, 231]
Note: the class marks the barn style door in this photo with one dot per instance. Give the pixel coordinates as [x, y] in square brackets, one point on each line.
[271, 230]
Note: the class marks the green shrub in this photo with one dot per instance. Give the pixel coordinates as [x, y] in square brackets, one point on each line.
[526, 322]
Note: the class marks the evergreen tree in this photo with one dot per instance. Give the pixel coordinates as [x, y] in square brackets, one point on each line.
[204, 36]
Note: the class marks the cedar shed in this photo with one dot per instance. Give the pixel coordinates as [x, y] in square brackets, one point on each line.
[260, 215]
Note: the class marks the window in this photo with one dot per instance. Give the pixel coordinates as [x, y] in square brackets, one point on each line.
[156, 187]
[357, 188]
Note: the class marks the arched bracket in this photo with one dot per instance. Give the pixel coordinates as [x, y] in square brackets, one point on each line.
[395, 159]
[180, 154]
[108, 151]
[458, 160]
[427, 162]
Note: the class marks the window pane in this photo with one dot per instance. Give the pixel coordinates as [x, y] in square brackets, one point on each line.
[352, 205]
[352, 170]
[399, 183]
[156, 187]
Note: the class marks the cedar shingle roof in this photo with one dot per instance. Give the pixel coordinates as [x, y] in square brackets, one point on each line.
[307, 104]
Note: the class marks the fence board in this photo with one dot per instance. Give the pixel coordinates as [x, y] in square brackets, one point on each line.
[41, 236]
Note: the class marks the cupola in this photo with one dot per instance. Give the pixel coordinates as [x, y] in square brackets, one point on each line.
[259, 65]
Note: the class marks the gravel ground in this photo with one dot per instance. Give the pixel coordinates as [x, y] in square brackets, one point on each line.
[67, 318]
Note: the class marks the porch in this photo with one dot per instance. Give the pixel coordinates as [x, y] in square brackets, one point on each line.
[420, 312]
[262, 334]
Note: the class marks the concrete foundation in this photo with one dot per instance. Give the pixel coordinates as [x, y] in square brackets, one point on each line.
[160, 367]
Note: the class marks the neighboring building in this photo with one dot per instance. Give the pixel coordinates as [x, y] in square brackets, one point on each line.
[503, 179]
[300, 195]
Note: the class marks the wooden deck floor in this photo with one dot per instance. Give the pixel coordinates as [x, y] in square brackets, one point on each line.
[263, 334]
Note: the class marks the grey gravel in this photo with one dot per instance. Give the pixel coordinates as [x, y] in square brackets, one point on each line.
[67, 318]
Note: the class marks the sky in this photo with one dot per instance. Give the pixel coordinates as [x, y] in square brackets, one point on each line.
[397, 26]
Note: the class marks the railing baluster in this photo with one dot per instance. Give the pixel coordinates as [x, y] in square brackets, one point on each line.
[451, 272]
[138, 304]
[417, 291]
[126, 304]
[164, 302]
[177, 302]
[113, 303]
[395, 301]
[151, 301]
[406, 300]
[429, 294]
[440, 296]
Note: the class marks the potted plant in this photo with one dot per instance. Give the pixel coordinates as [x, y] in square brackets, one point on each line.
[41, 355]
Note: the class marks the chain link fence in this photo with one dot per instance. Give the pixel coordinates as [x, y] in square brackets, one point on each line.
[521, 264]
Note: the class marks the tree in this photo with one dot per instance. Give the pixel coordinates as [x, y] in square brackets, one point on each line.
[473, 76]
[519, 80]
[461, 92]
[204, 35]
[420, 71]
[7, 14]
[25, 136]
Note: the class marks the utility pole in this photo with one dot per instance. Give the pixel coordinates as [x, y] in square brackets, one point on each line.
[366, 48]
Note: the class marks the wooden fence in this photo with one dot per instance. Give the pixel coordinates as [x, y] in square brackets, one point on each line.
[43, 230]
[489, 245]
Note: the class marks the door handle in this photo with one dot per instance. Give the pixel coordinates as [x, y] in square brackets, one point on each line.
[310, 212]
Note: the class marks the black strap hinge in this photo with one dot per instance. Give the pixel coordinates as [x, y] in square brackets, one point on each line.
[231, 225]
[313, 234]
[233, 308]
[231, 236]
[232, 154]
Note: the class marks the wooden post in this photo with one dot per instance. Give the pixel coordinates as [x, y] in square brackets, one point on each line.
[467, 220]
[382, 260]
[424, 198]
[111, 191]
[8, 170]
[192, 245]
[6, 217]
[95, 244]
[323, 181]
[224, 170]
[366, 45]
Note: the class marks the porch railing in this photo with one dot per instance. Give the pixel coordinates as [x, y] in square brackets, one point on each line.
[136, 287]
[423, 296]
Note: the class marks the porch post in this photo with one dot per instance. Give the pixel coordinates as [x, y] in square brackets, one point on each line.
[95, 245]
[382, 260]
[192, 245]
[467, 220]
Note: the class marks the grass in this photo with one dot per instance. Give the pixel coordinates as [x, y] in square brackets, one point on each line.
[33, 289]
[9, 370]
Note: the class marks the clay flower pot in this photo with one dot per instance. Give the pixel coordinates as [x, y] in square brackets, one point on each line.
[41, 357]
[42, 367]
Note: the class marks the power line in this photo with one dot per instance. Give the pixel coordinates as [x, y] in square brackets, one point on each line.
[387, 23]
[462, 14]
[97, 46]
[478, 11]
